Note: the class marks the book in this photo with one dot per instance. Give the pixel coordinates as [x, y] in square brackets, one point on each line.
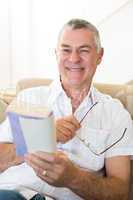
[32, 126]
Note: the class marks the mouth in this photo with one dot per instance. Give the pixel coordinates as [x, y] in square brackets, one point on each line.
[74, 69]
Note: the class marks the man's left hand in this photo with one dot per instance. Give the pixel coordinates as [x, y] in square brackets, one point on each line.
[56, 169]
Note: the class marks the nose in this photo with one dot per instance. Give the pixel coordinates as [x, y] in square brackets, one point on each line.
[74, 56]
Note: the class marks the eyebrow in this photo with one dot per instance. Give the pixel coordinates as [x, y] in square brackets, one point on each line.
[65, 45]
[85, 46]
[80, 47]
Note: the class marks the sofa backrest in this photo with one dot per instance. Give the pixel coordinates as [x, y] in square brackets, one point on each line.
[31, 82]
[123, 92]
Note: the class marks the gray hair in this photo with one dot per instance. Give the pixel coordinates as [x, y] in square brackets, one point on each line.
[79, 24]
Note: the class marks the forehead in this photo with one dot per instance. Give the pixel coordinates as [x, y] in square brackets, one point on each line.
[76, 37]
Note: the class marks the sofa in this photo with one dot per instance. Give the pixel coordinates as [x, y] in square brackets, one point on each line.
[123, 92]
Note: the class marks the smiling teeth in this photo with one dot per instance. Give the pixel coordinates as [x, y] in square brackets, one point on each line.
[75, 69]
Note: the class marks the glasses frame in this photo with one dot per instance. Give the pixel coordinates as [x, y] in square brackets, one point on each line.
[88, 144]
[102, 152]
[88, 112]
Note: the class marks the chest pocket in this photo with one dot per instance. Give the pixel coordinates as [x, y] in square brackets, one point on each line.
[96, 140]
[93, 146]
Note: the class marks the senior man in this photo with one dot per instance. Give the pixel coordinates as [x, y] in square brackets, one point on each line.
[94, 131]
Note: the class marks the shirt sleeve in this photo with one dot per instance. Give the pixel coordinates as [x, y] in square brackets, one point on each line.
[120, 141]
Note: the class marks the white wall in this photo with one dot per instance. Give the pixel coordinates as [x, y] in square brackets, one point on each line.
[4, 45]
[20, 20]
[29, 29]
[117, 39]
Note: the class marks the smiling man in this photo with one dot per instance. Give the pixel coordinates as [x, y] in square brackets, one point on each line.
[77, 56]
[94, 132]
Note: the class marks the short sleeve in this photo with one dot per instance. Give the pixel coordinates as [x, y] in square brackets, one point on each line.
[120, 141]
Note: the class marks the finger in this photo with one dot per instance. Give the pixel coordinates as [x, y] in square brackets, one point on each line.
[51, 176]
[67, 128]
[73, 120]
[62, 138]
[46, 178]
[66, 124]
[37, 169]
[45, 156]
[64, 131]
[33, 160]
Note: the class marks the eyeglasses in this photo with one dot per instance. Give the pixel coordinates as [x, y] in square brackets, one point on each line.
[88, 112]
[94, 151]
[88, 145]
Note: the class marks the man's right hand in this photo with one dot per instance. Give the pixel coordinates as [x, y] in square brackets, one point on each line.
[66, 128]
[8, 156]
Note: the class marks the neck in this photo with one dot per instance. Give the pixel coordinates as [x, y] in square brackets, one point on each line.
[72, 92]
[77, 95]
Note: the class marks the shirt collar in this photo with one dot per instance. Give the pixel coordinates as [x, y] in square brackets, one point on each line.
[57, 90]
[56, 87]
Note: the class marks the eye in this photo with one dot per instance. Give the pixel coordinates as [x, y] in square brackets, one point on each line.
[84, 51]
[66, 50]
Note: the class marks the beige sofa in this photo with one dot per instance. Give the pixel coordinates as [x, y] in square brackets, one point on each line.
[123, 92]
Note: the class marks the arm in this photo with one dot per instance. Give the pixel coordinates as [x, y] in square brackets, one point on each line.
[61, 172]
[8, 156]
[115, 186]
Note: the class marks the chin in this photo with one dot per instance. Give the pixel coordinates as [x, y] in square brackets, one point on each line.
[74, 83]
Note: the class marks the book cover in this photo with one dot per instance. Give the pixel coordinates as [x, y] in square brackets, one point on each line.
[32, 127]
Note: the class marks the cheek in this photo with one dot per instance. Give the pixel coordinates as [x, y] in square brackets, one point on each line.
[90, 63]
[60, 63]
[90, 67]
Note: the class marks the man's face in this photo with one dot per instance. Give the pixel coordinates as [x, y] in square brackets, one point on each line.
[77, 57]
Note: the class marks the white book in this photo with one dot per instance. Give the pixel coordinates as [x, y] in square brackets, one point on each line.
[32, 127]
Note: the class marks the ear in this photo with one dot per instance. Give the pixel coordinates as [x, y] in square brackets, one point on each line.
[55, 51]
[100, 55]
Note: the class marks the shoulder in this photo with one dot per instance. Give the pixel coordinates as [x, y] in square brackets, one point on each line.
[107, 101]
[112, 108]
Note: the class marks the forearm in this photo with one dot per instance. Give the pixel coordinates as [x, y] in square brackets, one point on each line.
[90, 186]
[8, 156]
